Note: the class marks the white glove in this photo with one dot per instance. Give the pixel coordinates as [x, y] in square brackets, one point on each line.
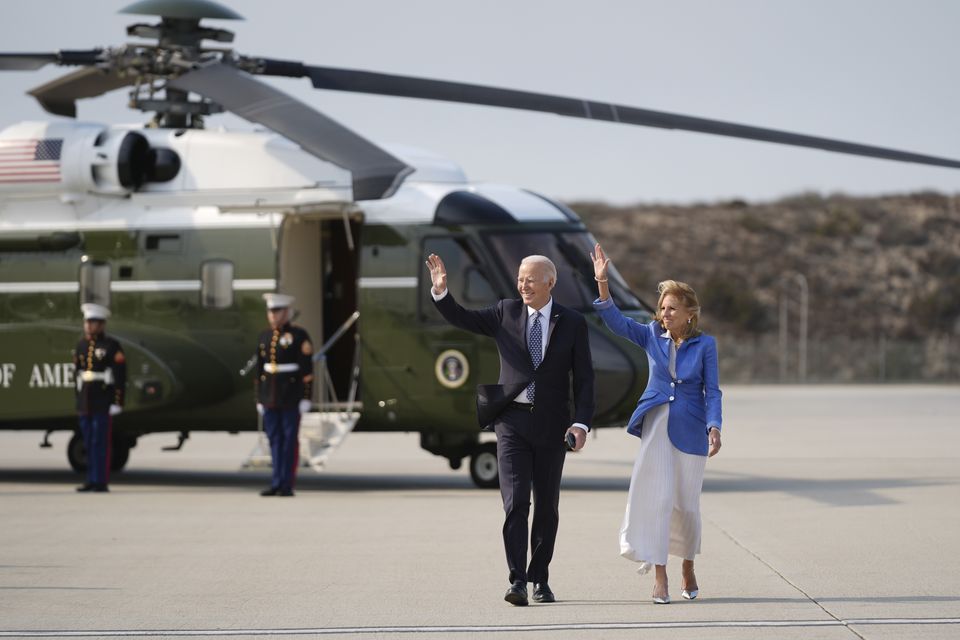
[304, 406]
[115, 409]
[260, 409]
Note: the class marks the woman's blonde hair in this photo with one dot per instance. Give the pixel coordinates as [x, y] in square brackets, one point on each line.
[687, 297]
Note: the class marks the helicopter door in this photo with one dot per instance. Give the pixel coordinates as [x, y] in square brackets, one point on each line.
[318, 265]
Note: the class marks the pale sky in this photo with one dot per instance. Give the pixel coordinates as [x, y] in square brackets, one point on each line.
[880, 72]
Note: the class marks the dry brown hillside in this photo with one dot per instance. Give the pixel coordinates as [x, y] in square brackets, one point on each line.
[883, 276]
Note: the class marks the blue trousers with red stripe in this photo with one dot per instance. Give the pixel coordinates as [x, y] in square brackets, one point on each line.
[282, 427]
[95, 429]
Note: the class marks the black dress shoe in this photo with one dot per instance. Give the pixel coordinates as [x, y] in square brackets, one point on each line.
[517, 594]
[101, 488]
[542, 593]
[272, 491]
[87, 486]
[286, 493]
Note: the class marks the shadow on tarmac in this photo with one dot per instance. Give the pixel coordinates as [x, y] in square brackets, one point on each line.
[243, 481]
[778, 600]
[847, 492]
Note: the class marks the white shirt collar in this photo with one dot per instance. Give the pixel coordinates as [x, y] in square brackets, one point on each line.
[545, 310]
[666, 334]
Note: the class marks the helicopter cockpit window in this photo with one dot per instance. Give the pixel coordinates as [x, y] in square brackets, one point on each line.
[95, 283]
[465, 276]
[216, 284]
[571, 289]
[581, 245]
[476, 287]
[570, 252]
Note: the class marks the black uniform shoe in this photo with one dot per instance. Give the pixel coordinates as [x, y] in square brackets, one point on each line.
[542, 593]
[272, 491]
[286, 493]
[517, 594]
[100, 488]
[87, 486]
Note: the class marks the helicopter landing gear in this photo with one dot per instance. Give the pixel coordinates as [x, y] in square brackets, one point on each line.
[456, 446]
[77, 453]
[119, 452]
[483, 466]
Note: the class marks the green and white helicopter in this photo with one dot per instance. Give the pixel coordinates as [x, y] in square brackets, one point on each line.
[180, 230]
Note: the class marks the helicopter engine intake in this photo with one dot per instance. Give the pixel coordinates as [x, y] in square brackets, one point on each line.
[76, 158]
[123, 161]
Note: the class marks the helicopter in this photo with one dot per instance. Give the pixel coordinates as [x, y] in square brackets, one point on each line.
[180, 229]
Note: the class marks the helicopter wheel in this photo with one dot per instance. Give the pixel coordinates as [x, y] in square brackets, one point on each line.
[483, 466]
[119, 454]
[77, 454]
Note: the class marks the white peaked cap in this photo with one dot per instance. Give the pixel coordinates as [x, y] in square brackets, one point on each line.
[278, 300]
[93, 311]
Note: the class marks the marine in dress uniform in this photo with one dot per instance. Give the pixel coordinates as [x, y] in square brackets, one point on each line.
[101, 373]
[283, 386]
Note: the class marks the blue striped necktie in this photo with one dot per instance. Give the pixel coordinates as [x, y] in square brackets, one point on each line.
[536, 351]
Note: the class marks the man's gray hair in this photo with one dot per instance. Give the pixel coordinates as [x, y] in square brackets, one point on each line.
[547, 263]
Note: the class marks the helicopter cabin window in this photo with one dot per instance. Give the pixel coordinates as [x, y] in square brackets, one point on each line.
[163, 242]
[466, 277]
[216, 284]
[95, 283]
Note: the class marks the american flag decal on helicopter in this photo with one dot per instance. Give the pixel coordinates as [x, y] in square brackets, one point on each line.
[30, 160]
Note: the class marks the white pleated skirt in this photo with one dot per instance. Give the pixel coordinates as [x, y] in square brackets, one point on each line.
[663, 505]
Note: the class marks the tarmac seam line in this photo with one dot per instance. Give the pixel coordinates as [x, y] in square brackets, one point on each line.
[806, 595]
[582, 626]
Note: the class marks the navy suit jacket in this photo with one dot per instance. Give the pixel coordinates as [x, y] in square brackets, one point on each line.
[568, 354]
[694, 395]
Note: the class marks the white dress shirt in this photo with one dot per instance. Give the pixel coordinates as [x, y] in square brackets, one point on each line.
[545, 313]
[544, 331]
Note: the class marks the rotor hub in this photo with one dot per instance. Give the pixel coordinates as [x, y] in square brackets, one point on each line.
[178, 50]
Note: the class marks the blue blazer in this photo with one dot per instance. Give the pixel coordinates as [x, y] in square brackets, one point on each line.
[694, 395]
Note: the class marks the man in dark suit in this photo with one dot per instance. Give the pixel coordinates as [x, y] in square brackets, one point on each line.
[541, 345]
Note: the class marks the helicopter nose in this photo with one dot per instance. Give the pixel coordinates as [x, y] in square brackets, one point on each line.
[616, 376]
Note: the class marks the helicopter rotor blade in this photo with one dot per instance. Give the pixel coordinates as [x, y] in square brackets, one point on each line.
[410, 87]
[375, 173]
[59, 96]
[34, 61]
[26, 61]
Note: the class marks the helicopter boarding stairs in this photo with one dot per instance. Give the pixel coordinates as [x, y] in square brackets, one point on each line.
[322, 430]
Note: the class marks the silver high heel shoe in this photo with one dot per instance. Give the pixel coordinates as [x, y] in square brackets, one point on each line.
[664, 599]
[690, 594]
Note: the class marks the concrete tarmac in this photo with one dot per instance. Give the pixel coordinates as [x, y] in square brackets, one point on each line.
[831, 512]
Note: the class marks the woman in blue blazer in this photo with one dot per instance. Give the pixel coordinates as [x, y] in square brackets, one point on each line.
[678, 421]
